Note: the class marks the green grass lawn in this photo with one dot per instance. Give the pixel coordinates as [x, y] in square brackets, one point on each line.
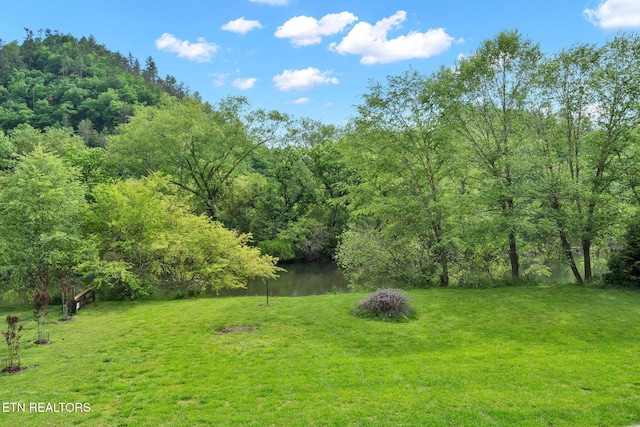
[525, 356]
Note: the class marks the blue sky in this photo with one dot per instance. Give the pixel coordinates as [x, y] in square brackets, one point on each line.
[312, 58]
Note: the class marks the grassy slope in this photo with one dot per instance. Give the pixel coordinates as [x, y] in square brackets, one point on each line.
[531, 356]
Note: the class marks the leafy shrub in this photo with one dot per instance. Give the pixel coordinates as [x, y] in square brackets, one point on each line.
[385, 304]
[624, 264]
[12, 335]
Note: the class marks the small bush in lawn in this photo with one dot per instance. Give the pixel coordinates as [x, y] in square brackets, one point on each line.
[386, 304]
[12, 335]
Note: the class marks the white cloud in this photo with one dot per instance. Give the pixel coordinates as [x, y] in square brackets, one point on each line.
[241, 25]
[303, 79]
[305, 30]
[199, 52]
[219, 79]
[615, 14]
[272, 2]
[302, 101]
[370, 41]
[245, 83]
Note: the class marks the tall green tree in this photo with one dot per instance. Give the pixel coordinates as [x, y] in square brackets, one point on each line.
[559, 124]
[485, 97]
[586, 127]
[202, 149]
[615, 82]
[41, 206]
[405, 159]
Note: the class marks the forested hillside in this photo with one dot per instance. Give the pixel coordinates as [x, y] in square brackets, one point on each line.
[508, 164]
[53, 79]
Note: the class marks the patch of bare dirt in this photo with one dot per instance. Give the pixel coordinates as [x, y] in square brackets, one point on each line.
[235, 329]
[12, 369]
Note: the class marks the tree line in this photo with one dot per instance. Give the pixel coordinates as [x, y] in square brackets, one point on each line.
[501, 166]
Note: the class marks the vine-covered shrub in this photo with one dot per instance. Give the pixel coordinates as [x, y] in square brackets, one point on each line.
[386, 304]
[624, 264]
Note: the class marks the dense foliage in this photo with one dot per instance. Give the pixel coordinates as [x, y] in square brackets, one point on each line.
[505, 165]
[42, 204]
[148, 239]
[624, 264]
[53, 79]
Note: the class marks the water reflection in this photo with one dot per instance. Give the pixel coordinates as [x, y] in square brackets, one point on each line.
[317, 278]
[300, 279]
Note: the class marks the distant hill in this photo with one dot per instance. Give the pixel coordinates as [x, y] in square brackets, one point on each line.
[53, 79]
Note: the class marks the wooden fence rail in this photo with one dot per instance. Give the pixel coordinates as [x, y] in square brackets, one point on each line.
[83, 298]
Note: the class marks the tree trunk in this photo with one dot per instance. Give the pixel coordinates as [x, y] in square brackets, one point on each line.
[442, 252]
[444, 277]
[586, 253]
[212, 197]
[564, 241]
[513, 255]
[514, 259]
[566, 249]
[212, 210]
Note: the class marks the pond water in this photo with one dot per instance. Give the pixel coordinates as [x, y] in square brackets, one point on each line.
[300, 279]
[318, 278]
